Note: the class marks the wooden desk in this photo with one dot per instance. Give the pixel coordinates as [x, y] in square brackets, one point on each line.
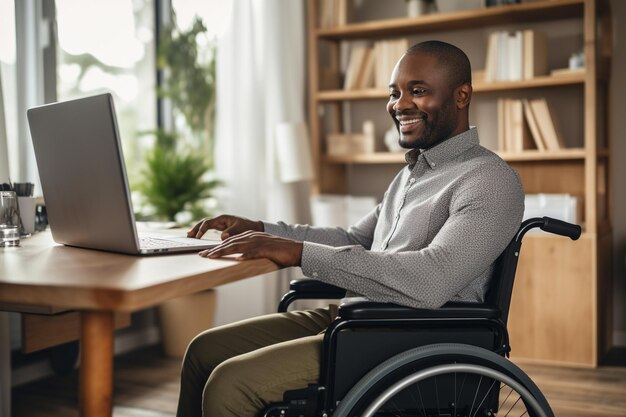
[46, 275]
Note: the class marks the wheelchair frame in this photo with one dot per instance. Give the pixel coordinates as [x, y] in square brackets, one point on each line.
[319, 399]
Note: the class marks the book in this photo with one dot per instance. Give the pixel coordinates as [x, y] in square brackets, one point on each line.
[501, 123]
[515, 56]
[355, 63]
[520, 135]
[386, 55]
[365, 78]
[546, 123]
[491, 60]
[533, 126]
[535, 54]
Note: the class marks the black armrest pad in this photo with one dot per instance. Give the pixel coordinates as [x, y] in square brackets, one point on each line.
[311, 286]
[371, 310]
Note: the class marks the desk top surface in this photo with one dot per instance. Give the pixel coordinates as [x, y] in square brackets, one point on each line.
[43, 273]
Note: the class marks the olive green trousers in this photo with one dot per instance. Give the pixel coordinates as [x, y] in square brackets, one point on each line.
[238, 369]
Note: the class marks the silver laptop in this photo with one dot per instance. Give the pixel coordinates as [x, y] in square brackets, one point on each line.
[81, 166]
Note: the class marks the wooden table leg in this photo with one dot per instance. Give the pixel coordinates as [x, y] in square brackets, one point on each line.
[96, 364]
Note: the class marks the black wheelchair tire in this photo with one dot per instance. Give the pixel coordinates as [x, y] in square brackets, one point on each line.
[367, 390]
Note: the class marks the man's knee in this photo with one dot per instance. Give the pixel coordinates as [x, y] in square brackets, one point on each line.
[233, 390]
[245, 384]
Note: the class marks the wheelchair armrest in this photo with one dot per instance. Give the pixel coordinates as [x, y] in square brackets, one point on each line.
[309, 289]
[365, 310]
[313, 286]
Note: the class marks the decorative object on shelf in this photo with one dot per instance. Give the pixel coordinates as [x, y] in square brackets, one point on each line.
[392, 140]
[577, 61]
[348, 144]
[352, 143]
[416, 8]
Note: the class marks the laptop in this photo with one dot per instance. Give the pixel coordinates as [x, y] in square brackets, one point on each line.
[85, 186]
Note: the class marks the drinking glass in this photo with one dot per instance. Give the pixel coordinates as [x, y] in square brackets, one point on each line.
[9, 220]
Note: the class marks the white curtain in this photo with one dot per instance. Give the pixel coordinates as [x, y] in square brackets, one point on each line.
[4, 149]
[5, 346]
[260, 87]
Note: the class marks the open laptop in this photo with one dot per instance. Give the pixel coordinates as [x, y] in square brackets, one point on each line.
[81, 166]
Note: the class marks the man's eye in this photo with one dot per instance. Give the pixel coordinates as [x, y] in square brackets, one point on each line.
[394, 94]
[418, 91]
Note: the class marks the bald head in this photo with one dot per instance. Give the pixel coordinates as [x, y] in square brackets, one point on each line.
[452, 59]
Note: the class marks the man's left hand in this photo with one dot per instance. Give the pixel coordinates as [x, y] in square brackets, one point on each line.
[253, 245]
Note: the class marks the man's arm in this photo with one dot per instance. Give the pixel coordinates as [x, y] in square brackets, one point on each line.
[360, 233]
[281, 243]
[480, 225]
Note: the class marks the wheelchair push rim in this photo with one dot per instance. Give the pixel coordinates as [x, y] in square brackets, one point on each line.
[386, 395]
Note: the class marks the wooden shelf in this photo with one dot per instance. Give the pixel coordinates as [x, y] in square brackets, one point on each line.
[479, 87]
[513, 14]
[530, 156]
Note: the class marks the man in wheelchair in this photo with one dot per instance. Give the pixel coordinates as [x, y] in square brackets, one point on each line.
[434, 238]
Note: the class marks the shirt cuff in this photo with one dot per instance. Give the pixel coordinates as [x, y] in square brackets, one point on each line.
[271, 228]
[316, 259]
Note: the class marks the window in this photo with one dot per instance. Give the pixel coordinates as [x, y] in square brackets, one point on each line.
[9, 82]
[110, 47]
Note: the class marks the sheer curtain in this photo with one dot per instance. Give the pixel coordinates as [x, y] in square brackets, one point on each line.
[4, 149]
[5, 346]
[261, 86]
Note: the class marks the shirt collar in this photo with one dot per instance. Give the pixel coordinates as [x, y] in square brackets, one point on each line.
[444, 151]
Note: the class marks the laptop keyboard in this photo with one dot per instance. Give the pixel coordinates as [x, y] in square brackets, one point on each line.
[147, 242]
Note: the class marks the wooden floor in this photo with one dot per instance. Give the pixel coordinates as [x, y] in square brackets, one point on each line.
[146, 385]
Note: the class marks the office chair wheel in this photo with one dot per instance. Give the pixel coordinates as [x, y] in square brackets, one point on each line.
[445, 380]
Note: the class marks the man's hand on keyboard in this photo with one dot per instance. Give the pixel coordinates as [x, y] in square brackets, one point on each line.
[253, 245]
[228, 225]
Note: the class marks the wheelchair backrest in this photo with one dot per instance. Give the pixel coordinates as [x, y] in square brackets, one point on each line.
[501, 287]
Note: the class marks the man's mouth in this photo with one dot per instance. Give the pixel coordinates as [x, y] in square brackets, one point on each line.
[409, 123]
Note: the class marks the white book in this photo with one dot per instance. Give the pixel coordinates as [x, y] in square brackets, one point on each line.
[515, 53]
[502, 68]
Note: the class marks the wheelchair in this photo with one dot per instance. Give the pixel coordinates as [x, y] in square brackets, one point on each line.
[381, 359]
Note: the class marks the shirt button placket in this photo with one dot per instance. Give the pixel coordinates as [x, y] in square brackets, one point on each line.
[396, 219]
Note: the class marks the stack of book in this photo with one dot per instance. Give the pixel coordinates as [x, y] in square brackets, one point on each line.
[515, 56]
[527, 124]
[333, 13]
[371, 66]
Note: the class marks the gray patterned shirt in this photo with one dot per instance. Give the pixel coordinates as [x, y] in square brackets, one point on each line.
[435, 236]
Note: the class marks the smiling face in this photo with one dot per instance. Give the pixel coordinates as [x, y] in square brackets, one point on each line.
[424, 103]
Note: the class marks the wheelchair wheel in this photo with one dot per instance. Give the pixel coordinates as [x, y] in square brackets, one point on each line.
[445, 380]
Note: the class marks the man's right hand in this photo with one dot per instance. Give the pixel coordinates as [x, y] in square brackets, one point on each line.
[228, 225]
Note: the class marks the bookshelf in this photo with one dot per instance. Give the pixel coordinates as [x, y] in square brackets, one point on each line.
[562, 306]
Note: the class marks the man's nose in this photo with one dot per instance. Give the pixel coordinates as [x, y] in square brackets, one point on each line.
[404, 102]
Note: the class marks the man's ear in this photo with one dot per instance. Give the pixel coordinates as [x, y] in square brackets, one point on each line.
[463, 95]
